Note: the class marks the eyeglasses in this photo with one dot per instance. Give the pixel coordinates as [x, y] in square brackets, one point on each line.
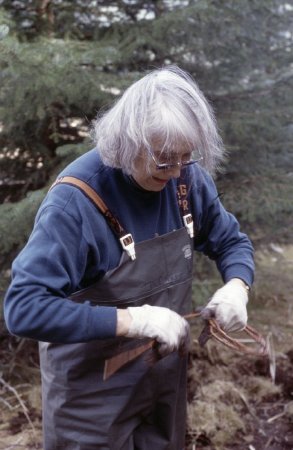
[169, 166]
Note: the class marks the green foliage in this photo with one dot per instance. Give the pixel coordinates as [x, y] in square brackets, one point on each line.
[262, 203]
[258, 132]
[230, 47]
[79, 19]
[16, 219]
[44, 79]
[235, 51]
[239, 53]
[50, 82]
[16, 222]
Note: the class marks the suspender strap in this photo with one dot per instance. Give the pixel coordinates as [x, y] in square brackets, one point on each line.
[125, 238]
[97, 201]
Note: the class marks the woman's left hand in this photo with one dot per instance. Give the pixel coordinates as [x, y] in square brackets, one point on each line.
[228, 306]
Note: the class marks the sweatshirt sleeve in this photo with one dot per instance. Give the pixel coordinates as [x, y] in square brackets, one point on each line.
[219, 236]
[44, 274]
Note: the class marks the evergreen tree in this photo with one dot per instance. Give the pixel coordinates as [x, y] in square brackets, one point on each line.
[240, 53]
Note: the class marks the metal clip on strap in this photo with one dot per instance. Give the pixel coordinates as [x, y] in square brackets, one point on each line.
[128, 245]
[188, 223]
[125, 239]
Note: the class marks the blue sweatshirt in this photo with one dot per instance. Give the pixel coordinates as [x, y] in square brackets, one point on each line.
[72, 246]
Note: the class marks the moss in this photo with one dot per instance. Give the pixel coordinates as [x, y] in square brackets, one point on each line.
[260, 388]
[216, 413]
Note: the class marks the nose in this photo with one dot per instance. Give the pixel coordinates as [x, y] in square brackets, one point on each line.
[175, 171]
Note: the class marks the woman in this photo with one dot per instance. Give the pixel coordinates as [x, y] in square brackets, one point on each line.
[96, 274]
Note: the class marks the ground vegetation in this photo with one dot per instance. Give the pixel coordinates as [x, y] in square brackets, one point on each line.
[63, 61]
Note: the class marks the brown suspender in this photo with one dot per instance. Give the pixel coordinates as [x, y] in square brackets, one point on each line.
[96, 199]
[125, 238]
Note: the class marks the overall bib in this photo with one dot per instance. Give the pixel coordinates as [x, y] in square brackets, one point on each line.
[142, 406]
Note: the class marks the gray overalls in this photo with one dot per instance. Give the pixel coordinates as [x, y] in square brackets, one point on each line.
[142, 406]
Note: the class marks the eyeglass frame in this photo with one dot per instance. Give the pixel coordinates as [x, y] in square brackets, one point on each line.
[167, 166]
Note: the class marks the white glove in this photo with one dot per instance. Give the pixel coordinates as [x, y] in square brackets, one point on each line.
[166, 326]
[228, 306]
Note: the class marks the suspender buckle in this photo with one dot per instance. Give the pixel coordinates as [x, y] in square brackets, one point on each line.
[127, 243]
[188, 223]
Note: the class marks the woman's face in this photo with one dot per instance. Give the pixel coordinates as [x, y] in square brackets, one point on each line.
[149, 177]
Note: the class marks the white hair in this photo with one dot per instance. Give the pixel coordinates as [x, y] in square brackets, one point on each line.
[165, 105]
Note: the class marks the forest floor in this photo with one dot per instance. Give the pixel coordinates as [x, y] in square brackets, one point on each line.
[235, 401]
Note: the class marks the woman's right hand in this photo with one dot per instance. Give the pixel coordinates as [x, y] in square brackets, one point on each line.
[169, 329]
